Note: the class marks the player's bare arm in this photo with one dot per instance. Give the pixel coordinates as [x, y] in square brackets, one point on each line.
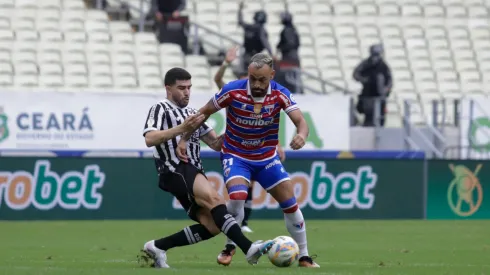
[206, 111]
[230, 56]
[302, 129]
[213, 140]
[156, 137]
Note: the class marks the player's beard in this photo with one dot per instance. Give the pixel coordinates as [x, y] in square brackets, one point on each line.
[258, 92]
[183, 102]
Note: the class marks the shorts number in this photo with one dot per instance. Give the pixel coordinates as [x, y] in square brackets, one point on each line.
[227, 162]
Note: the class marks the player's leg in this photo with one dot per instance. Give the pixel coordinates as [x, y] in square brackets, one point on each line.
[237, 176]
[248, 210]
[275, 180]
[207, 197]
[157, 249]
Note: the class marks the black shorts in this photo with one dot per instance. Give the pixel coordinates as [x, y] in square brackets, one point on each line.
[180, 184]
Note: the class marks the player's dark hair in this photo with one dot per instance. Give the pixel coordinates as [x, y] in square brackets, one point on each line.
[175, 74]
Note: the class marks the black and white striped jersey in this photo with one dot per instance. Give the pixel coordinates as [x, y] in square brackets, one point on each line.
[165, 115]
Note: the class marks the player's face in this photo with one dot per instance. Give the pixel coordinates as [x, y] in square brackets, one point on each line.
[180, 92]
[259, 79]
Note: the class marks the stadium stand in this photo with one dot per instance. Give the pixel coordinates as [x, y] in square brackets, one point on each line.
[436, 48]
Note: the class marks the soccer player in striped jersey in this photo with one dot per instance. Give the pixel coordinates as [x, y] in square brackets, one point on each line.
[218, 79]
[249, 152]
[185, 180]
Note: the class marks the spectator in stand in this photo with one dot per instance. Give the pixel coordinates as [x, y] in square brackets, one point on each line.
[375, 76]
[256, 38]
[171, 26]
[289, 42]
[168, 7]
[288, 73]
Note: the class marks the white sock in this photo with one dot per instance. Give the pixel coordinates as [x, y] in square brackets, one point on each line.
[235, 208]
[297, 229]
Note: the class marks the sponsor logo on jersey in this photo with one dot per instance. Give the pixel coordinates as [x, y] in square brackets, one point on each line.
[286, 101]
[274, 163]
[252, 115]
[254, 122]
[223, 98]
[253, 143]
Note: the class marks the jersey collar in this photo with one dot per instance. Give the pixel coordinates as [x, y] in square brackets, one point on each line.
[171, 103]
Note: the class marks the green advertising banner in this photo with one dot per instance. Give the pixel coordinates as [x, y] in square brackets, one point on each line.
[458, 190]
[116, 188]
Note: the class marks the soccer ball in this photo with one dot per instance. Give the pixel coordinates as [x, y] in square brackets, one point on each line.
[284, 252]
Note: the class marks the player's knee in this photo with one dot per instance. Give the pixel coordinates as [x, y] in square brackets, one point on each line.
[283, 191]
[210, 200]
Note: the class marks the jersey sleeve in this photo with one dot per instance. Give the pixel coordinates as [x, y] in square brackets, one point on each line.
[223, 98]
[155, 118]
[204, 129]
[286, 101]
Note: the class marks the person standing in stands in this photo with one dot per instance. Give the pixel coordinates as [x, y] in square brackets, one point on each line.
[256, 38]
[168, 7]
[171, 26]
[289, 42]
[375, 76]
[288, 69]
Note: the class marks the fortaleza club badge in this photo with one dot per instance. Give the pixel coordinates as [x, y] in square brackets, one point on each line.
[4, 129]
[465, 193]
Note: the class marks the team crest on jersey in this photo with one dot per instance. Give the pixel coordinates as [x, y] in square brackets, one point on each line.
[226, 172]
[244, 106]
[269, 108]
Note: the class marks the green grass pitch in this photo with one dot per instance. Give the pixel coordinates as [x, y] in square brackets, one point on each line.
[343, 247]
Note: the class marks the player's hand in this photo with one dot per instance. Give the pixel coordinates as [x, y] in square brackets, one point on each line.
[231, 54]
[181, 150]
[192, 122]
[298, 142]
[281, 153]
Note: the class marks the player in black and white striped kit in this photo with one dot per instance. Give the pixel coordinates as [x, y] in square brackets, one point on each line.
[166, 122]
[166, 115]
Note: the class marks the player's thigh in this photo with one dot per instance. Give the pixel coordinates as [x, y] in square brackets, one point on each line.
[175, 184]
[205, 218]
[275, 180]
[205, 194]
[235, 171]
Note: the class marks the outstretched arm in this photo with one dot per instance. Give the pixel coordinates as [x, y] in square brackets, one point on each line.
[206, 111]
[302, 129]
[230, 56]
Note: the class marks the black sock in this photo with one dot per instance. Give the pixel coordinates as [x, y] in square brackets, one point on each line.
[248, 210]
[227, 224]
[189, 235]
[248, 207]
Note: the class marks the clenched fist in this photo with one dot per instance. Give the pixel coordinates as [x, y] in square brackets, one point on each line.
[298, 142]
